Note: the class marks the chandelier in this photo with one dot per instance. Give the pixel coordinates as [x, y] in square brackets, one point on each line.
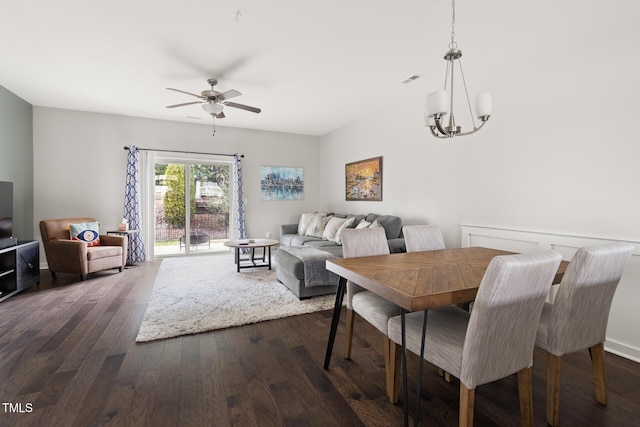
[440, 102]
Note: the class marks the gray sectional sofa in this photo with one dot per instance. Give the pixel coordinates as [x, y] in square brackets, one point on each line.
[300, 260]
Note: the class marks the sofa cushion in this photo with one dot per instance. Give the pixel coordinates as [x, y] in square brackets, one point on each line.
[375, 224]
[98, 252]
[300, 240]
[371, 217]
[356, 219]
[289, 263]
[391, 223]
[87, 232]
[321, 243]
[304, 223]
[317, 225]
[287, 239]
[338, 237]
[334, 250]
[332, 228]
[396, 245]
[363, 224]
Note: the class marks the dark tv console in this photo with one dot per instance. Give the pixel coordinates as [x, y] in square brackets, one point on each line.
[19, 268]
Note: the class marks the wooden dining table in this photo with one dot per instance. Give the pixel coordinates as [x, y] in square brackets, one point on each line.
[415, 281]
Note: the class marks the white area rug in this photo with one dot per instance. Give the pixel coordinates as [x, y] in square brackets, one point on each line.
[204, 293]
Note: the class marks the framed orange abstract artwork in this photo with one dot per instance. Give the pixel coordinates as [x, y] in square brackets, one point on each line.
[363, 180]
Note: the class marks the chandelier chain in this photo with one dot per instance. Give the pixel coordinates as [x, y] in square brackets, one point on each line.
[453, 44]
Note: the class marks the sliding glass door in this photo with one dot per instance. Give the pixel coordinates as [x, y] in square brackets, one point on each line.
[191, 206]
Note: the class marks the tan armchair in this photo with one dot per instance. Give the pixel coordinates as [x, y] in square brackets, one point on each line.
[72, 256]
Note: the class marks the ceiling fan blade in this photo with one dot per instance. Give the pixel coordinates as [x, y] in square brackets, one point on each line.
[220, 115]
[209, 94]
[228, 94]
[183, 104]
[242, 107]
[182, 91]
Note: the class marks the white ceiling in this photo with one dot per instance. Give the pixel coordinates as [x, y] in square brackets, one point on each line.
[311, 66]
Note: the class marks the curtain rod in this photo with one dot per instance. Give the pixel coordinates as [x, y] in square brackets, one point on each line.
[185, 152]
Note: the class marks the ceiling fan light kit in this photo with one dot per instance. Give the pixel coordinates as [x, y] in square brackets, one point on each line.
[440, 102]
[212, 108]
[213, 102]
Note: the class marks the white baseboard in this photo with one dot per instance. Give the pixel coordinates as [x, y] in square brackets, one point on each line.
[623, 350]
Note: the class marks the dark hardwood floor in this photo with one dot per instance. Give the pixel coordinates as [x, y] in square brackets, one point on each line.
[68, 358]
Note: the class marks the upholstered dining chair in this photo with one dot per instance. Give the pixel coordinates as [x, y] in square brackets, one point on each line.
[496, 339]
[371, 307]
[426, 238]
[577, 319]
[419, 238]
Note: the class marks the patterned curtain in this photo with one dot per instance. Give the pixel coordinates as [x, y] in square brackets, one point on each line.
[241, 233]
[132, 206]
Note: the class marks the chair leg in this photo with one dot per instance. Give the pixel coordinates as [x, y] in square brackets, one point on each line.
[392, 356]
[526, 397]
[446, 375]
[467, 398]
[348, 337]
[53, 275]
[597, 360]
[464, 305]
[553, 388]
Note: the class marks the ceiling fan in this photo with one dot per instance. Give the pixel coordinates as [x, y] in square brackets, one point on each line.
[213, 102]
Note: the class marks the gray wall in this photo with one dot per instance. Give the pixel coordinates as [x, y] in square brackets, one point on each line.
[16, 159]
[80, 164]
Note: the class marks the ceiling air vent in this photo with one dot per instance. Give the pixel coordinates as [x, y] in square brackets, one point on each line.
[411, 78]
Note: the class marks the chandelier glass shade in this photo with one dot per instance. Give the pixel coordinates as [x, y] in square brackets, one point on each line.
[440, 116]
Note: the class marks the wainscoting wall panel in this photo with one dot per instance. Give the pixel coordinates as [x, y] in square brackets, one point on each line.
[622, 333]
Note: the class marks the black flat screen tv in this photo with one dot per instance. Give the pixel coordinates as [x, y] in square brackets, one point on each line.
[6, 214]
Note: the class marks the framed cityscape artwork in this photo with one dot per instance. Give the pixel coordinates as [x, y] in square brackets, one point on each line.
[363, 180]
[281, 183]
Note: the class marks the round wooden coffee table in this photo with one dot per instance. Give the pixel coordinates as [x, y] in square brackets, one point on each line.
[252, 244]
